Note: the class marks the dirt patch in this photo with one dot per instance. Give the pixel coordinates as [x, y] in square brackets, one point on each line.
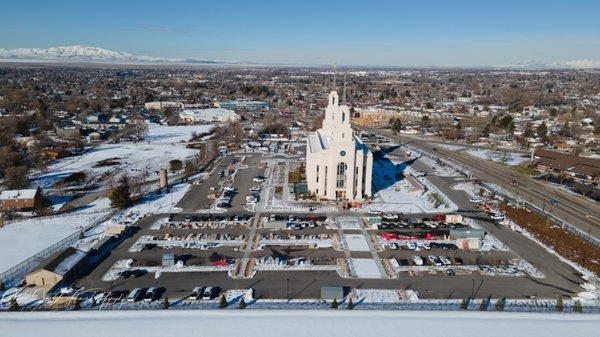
[108, 162]
[565, 243]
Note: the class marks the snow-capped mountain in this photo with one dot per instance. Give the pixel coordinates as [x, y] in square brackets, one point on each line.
[90, 54]
[535, 65]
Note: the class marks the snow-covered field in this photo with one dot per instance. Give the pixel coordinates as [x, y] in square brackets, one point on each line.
[509, 158]
[20, 240]
[262, 323]
[162, 144]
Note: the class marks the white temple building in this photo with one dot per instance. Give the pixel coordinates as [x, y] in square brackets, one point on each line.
[338, 164]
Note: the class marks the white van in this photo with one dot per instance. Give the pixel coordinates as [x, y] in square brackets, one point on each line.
[134, 295]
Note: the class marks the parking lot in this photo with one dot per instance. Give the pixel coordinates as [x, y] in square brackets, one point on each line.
[291, 256]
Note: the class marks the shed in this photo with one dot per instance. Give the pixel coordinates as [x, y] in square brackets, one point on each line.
[59, 267]
[467, 233]
[332, 292]
[168, 260]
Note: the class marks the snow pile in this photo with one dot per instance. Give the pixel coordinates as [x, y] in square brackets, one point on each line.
[375, 295]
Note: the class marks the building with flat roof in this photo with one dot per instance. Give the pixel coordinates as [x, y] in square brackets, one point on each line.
[215, 115]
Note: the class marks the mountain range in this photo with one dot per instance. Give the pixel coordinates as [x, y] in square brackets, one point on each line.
[95, 54]
[91, 54]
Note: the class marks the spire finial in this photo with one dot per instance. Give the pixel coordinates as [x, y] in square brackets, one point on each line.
[344, 92]
[334, 66]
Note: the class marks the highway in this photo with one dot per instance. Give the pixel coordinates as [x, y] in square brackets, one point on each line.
[573, 209]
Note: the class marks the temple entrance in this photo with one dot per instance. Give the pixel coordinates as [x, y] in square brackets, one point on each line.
[340, 195]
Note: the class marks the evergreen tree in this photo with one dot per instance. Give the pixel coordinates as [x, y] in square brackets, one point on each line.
[485, 303]
[119, 196]
[500, 304]
[165, 303]
[464, 305]
[565, 130]
[577, 307]
[350, 305]
[396, 124]
[542, 131]
[560, 307]
[528, 132]
[334, 304]
[242, 304]
[223, 302]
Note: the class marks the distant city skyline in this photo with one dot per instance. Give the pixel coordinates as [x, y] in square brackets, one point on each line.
[389, 33]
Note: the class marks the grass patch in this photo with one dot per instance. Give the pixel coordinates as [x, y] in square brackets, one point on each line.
[527, 170]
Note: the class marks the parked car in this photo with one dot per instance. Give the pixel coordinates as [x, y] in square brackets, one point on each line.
[197, 293]
[434, 260]
[475, 201]
[451, 272]
[150, 295]
[394, 246]
[403, 262]
[496, 216]
[135, 295]
[417, 260]
[116, 295]
[209, 293]
[457, 261]
[446, 261]
[259, 179]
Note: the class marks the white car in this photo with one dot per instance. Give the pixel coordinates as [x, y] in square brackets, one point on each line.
[394, 246]
[412, 246]
[259, 179]
[426, 245]
[475, 201]
[418, 261]
[446, 261]
[497, 217]
[434, 260]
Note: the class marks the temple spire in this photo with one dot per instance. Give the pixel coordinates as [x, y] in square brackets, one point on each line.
[344, 91]
[334, 85]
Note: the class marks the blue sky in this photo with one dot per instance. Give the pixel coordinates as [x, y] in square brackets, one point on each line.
[402, 33]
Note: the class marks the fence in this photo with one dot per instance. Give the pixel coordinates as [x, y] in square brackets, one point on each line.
[14, 274]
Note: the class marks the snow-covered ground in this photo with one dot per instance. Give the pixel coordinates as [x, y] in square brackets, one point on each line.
[19, 240]
[399, 195]
[356, 242]
[365, 268]
[509, 158]
[162, 144]
[262, 323]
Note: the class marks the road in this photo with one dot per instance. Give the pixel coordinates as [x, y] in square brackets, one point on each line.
[573, 209]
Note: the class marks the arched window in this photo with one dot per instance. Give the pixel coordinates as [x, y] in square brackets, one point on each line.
[343, 117]
[341, 175]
